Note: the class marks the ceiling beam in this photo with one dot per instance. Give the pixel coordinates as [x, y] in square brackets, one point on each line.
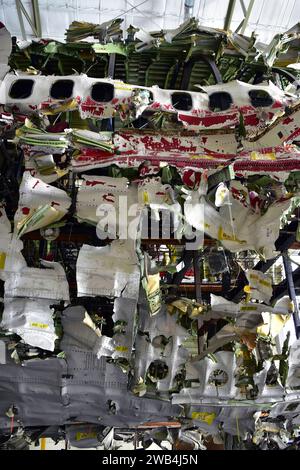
[229, 14]
[188, 9]
[35, 22]
[37, 17]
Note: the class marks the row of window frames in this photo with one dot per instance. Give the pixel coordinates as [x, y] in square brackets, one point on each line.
[104, 93]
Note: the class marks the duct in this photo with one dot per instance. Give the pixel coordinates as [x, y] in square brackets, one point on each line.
[32, 320]
[110, 271]
[39, 205]
[47, 283]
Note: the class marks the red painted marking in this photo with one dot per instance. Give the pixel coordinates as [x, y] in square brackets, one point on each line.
[208, 121]
[251, 120]
[288, 120]
[94, 183]
[107, 197]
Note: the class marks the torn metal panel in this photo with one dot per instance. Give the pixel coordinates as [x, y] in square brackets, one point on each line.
[260, 285]
[214, 380]
[32, 320]
[237, 225]
[47, 283]
[160, 198]
[124, 318]
[214, 107]
[111, 270]
[6, 47]
[35, 390]
[159, 342]
[97, 195]
[39, 205]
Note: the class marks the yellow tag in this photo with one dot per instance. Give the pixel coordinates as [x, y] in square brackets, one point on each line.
[121, 348]
[248, 308]
[146, 197]
[247, 289]
[231, 238]
[2, 259]
[85, 435]
[202, 157]
[208, 418]
[43, 326]
[263, 156]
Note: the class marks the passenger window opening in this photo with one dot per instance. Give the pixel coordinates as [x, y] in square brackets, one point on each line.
[102, 92]
[182, 101]
[21, 89]
[260, 99]
[62, 89]
[220, 101]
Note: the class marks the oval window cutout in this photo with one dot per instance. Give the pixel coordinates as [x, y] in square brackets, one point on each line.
[102, 92]
[21, 89]
[182, 101]
[260, 99]
[220, 101]
[62, 89]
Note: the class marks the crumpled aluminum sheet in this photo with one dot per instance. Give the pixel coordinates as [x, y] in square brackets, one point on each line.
[124, 310]
[202, 371]
[146, 352]
[32, 319]
[49, 283]
[111, 270]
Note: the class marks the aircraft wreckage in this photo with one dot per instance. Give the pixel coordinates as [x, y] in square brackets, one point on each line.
[139, 226]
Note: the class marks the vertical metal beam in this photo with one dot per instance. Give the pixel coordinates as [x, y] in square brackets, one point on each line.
[198, 294]
[243, 7]
[22, 27]
[37, 17]
[197, 275]
[291, 290]
[34, 24]
[229, 14]
[247, 16]
[188, 8]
